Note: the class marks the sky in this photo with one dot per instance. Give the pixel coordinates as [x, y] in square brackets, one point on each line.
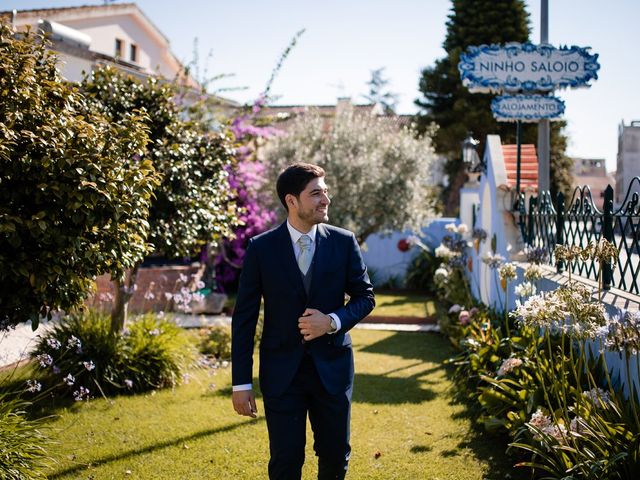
[345, 40]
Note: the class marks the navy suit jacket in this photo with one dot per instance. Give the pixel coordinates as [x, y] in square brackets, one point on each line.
[270, 271]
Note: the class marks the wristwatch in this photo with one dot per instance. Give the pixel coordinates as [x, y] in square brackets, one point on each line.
[334, 325]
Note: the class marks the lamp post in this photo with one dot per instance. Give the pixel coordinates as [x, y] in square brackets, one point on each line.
[470, 158]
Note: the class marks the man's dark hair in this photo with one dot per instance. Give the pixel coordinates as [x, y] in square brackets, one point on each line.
[294, 179]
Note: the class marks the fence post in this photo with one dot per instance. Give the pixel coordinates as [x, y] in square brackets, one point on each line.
[560, 228]
[607, 233]
[532, 206]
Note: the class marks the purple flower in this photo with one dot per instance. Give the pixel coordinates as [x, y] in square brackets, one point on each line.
[45, 360]
[81, 394]
[53, 343]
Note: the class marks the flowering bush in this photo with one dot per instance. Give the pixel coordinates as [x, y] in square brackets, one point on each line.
[548, 384]
[81, 358]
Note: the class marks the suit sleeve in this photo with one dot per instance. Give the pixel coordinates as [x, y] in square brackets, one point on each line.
[245, 318]
[359, 289]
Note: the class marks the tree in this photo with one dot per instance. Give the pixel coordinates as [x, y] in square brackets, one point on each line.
[448, 104]
[73, 201]
[377, 171]
[194, 204]
[378, 94]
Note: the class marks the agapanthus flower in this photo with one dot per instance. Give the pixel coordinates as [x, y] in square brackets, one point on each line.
[508, 365]
[128, 383]
[33, 386]
[54, 343]
[525, 289]
[507, 272]
[455, 308]
[597, 396]
[536, 255]
[532, 273]
[493, 261]
[74, 342]
[69, 379]
[89, 365]
[44, 359]
[81, 394]
[443, 252]
[622, 332]
[441, 273]
[479, 234]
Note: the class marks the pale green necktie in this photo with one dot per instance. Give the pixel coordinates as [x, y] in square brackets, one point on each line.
[304, 259]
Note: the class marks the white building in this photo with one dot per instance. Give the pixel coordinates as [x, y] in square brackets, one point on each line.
[628, 158]
[89, 36]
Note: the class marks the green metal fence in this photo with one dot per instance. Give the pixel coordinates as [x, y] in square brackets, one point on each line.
[545, 223]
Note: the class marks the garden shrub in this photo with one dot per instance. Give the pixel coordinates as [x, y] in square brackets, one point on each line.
[81, 352]
[22, 443]
[421, 271]
[216, 341]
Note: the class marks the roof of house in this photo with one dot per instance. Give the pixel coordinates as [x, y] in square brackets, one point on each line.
[112, 9]
[528, 166]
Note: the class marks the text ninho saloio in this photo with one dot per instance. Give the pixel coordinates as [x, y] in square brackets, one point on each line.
[533, 66]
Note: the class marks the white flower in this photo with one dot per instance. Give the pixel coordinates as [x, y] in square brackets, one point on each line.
[128, 383]
[540, 420]
[183, 278]
[533, 273]
[507, 272]
[74, 342]
[444, 252]
[508, 365]
[200, 285]
[455, 308]
[33, 386]
[149, 295]
[69, 380]
[441, 273]
[471, 342]
[462, 229]
[89, 365]
[525, 289]
[493, 261]
[168, 295]
[155, 332]
[451, 227]
[53, 343]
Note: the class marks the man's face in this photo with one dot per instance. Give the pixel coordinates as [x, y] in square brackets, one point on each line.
[312, 206]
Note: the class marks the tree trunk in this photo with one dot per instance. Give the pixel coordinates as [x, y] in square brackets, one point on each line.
[124, 292]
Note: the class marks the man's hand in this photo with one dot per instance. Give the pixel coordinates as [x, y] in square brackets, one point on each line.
[313, 324]
[244, 403]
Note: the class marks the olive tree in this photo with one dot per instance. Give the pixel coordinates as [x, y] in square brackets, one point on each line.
[74, 200]
[378, 171]
[194, 204]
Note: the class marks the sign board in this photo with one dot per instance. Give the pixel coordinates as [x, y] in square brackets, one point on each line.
[526, 108]
[526, 67]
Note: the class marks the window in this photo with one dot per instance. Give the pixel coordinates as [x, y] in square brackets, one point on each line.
[133, 53]
[119, 45]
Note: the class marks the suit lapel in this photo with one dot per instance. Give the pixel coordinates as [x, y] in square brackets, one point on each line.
[288, 259]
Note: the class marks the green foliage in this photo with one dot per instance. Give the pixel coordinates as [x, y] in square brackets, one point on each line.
[193, 204]
[216, 341]
[73, 200]
[151, 353]
[448, 104]
[22, 444]
[421, 271]
[377, 171]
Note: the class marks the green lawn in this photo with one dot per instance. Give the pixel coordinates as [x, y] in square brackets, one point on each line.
[397, 304]
[402, 414]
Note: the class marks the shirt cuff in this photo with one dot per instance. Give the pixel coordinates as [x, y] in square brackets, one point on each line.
[338, 324]
[243, 387]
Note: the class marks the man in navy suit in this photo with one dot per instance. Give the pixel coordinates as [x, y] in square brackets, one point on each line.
[302, 269]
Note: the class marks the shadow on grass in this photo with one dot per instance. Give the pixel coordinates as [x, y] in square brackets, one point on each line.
[379, 389]
[153, 448]
[426, 347]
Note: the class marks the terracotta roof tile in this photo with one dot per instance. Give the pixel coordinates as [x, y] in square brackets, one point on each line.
[528, 166]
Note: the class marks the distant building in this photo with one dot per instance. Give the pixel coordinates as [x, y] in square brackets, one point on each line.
[592, 172]
[628, 158]
[87, 37]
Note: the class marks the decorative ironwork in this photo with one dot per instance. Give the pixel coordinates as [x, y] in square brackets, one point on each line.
[546, 225]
